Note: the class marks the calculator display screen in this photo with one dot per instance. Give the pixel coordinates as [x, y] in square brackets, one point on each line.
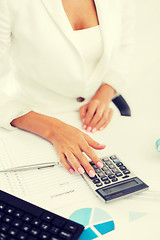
[121, 187]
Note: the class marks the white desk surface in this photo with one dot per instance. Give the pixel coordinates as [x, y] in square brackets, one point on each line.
[133, 140]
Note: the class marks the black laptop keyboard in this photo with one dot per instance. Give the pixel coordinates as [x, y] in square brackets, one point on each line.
[21, 220]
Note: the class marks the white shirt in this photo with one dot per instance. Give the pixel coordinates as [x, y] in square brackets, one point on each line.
[89, 42]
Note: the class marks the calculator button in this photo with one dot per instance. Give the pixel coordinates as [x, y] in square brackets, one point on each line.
[22, 236]
[3, 236]
[99, 184]
[8, 219]
[26, 227]
[98, 170]
[111, 166]
[119, 174]
[114, 179]
[13, 231]
[101, 175]
[108, 162]
[116, 161]
[115, 170]
[107, 182]
[126, 176]
[105, 168]
[96, 181]
[126, 171]
[111, 176]
[108, 172]
[34, 232]
[122, 168]
[104, 178]
[119, 164]
[113, 157]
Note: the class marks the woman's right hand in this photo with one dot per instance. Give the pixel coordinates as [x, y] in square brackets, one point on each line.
[70, 144]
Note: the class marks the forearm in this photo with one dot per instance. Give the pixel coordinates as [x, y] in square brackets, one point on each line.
[39, 124]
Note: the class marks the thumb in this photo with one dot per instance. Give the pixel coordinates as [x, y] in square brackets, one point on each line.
[94, 144]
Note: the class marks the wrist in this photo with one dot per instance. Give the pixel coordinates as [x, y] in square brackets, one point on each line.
[106, 93]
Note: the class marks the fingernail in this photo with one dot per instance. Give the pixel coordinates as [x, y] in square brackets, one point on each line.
[89, 129]
[83, 119]
[80, 170]
[84, 126]
[101, 128]
[94, 130]
[71, 170]
[91, 173]
[102, 145]
[99, 164]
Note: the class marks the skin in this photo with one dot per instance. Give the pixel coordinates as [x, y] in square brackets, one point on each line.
[69, 142]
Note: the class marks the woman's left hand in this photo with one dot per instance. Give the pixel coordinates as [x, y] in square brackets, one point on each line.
[97, 114]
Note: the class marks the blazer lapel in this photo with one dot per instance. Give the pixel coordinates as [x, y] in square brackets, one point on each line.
[56, 11]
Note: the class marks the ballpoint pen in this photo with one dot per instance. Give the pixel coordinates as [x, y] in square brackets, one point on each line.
[30, 167]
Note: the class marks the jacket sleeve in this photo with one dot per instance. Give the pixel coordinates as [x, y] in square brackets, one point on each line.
[122, 54]
[11, 107]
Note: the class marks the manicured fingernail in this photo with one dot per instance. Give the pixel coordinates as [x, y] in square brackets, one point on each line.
[80, 170]
[102, 145]
[91, 173]
[84, 126]
[89, 129]
[71, 170]
[99, 164]
[101, 128]
[83, 119]
[94, 130]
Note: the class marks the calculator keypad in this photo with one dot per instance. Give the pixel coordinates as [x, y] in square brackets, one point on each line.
[113, 171]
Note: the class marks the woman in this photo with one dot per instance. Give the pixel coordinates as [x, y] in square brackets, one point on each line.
[67, 55]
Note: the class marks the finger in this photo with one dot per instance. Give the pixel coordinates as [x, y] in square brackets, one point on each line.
[93, 143]
[96, 118]
[65, 163]
[73, 160]
[105, 120]
[91, 154]
[84, 161]
[83, 111]
[89, 115]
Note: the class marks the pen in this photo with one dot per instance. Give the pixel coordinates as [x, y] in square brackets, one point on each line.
[30, 167]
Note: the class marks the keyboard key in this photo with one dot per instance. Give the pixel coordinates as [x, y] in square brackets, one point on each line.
[2, 206]
[4, 227]
[7, 219]
[18, 213]
[47, 217]
[44, 235]
[65, 235]
[27, 218]
[13, 231]
[54, 230]
[70, 227]
[16, 223]
[44, 226]
[10, 210]
[58, 222]
[22, 236]
[36, 222]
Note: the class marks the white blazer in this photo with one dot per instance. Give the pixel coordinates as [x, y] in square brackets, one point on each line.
[48, 66]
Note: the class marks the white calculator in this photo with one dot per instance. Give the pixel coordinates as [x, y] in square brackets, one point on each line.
[114, 180]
